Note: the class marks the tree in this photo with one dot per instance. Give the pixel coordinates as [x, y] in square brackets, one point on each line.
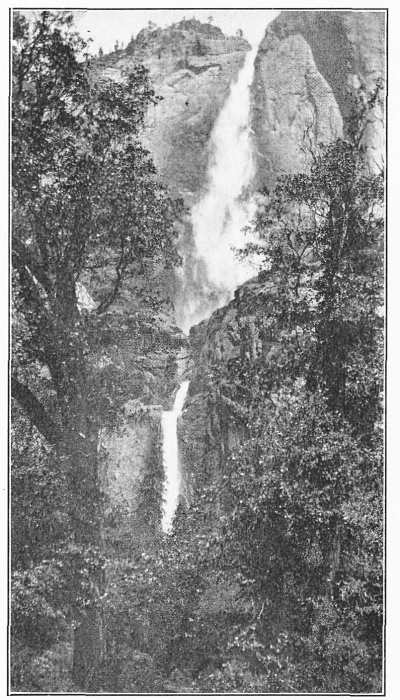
[305, 489]
[324, 230]
[85, 203]
[130, 47]
[199, 49]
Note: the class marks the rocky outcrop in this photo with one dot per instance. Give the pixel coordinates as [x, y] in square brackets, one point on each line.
[212, 423]
[132, 476]
[179, 127]
[191, 65]
[306, 65]
[345, 45]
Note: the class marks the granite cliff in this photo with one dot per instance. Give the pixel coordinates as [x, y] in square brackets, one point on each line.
[305, 65]
[191, 66]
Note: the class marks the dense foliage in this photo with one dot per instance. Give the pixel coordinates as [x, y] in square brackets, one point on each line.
[282, 547]
[87, 210]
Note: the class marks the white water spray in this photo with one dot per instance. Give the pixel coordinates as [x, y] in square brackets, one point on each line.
[172, 473]
[219, 217]
[218, 221]
[227, 206]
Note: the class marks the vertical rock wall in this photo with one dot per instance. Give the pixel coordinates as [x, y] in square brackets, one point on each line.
[132, 476]
[191, 65]
[306, 65]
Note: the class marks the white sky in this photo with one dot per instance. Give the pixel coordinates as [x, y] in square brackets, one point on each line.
[104, 27]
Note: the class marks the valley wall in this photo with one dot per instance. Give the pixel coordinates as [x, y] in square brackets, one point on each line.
[305, 66]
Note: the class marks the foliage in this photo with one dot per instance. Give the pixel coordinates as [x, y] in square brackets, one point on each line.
[199, 49]
[87, 211]
[290, 570]
[304, 528]
[84, 194]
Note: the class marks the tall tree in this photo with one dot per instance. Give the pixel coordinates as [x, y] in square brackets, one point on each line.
[85, 198]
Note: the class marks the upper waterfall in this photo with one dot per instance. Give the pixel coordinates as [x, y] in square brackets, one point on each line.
[227, 206]
[220, 215]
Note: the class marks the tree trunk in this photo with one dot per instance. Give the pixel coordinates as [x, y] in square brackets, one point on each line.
[88, 651]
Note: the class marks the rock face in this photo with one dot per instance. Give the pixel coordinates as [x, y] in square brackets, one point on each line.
[132, 470]
[305, 66]
[191, 65]
[132, 477]
[211, 422]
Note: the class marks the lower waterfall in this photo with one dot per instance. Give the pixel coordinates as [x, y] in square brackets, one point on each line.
[170, 454]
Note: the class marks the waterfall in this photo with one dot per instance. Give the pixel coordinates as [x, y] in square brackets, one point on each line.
[226, 207]
[170, 451]
[218, 220]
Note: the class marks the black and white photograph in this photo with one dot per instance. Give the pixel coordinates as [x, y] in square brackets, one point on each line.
[197, 351]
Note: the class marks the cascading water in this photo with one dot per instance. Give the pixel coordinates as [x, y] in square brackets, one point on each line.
[227, 206]
[218, 221]
[172, 482]
[219, 217]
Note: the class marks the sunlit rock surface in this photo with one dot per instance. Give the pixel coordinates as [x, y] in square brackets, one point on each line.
[305, 66]
[191, 65]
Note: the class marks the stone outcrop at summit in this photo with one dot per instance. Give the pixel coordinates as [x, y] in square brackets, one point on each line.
[191, 65]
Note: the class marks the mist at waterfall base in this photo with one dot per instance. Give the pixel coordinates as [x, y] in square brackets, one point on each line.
[227, 206]
[170, 453]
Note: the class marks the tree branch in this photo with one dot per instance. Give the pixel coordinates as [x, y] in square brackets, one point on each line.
[22, 256]
[35, 411]
[119, 272]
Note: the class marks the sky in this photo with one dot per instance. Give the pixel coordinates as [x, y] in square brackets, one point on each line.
[104, 27]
